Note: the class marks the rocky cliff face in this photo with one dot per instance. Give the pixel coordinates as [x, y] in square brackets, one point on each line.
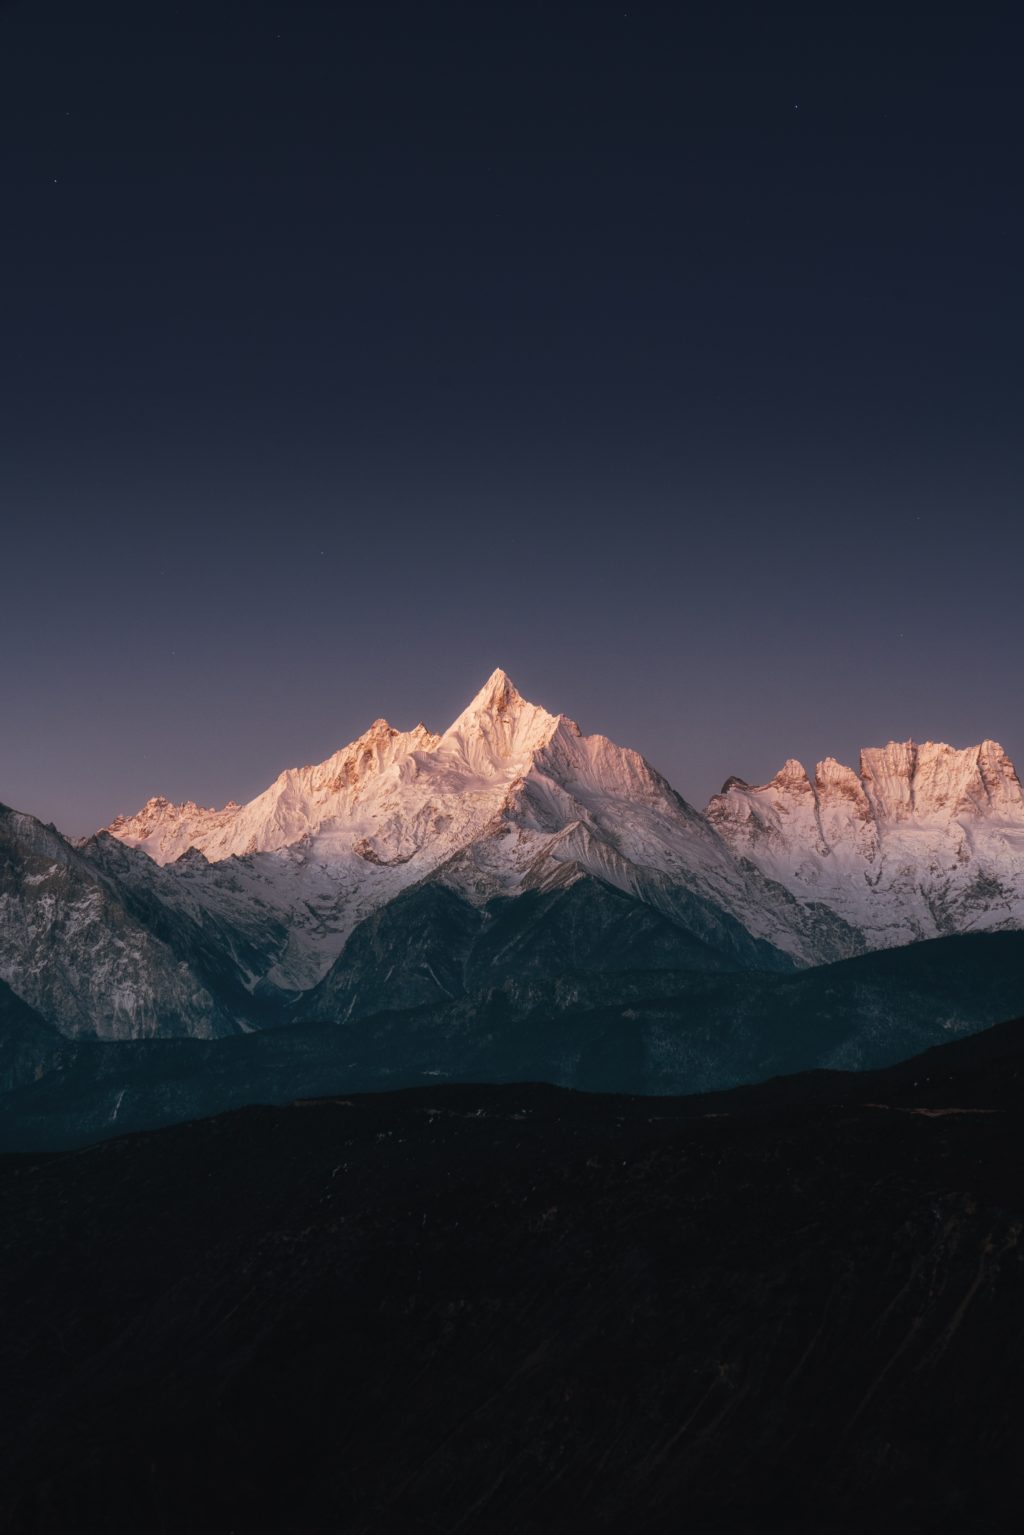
[923, 840]
[73, 947]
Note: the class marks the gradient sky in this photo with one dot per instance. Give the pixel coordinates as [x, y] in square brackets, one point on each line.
[668, 356]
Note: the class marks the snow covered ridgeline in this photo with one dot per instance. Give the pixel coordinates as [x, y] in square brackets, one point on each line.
[383, 778]
[508, 850]
[508, 799]
[922, 840]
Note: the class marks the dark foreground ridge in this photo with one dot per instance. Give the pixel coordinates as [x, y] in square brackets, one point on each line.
[518, 1309]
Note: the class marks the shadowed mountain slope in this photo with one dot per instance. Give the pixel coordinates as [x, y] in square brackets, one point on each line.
[647, 1032]
[97, 958]
[29, 1047]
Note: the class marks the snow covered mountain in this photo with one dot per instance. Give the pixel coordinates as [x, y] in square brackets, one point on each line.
[509, 799]
[510, 849]
[924, 840]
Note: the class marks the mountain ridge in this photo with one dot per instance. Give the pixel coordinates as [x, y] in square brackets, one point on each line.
[185, 919]
[922, 840]
[505, 791]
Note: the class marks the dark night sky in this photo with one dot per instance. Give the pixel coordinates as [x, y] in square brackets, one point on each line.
[668, 356]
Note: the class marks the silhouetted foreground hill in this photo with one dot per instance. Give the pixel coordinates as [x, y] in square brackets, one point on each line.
[791, 1307]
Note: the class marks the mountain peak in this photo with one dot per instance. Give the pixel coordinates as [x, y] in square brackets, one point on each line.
[498, 704]
[792, 775]
[498, 694]
[499, 731]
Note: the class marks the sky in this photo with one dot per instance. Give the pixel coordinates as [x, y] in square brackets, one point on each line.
[666, 355]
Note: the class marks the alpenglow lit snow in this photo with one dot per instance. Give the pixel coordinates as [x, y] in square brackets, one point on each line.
[924, 840]
[508, 798]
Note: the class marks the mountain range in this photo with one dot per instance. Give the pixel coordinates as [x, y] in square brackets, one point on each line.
[508, 868]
